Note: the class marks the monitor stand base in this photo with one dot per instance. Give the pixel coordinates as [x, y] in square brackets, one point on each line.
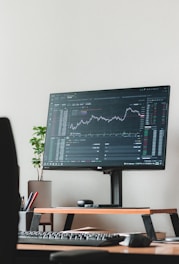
[112, 206]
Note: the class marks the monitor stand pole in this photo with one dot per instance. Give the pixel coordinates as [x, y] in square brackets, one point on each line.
[116, 187]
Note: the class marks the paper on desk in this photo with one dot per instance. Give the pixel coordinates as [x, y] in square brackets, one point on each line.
[91, 229]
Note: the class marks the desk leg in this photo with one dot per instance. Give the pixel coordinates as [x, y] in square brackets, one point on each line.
[175, 222]
[68, 222]
[35, 222]
[149, 226]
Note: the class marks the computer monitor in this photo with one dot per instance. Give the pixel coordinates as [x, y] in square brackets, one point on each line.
[108, 130]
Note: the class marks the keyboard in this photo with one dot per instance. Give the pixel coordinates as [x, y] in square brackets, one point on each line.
[69, 238]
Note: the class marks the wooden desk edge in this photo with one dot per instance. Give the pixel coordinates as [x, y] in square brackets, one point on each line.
[82, 210]
[153, 249]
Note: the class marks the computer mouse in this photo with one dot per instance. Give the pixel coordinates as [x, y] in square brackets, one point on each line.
[136, 240]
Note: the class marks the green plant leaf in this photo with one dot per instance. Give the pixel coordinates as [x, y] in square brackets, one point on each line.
[38, 143]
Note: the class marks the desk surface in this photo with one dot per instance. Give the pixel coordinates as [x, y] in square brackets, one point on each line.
[84, 210]
[154, 249]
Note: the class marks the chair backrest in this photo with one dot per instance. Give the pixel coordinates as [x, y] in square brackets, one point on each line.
[9, 195]
[81, 256]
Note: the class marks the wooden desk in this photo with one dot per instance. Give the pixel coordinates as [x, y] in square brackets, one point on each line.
[154, 249]
[144, 212]
[154, 254]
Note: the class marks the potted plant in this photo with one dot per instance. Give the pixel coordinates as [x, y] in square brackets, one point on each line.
[38, 143]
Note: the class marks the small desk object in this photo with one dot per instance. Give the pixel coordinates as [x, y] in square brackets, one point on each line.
[146, 214]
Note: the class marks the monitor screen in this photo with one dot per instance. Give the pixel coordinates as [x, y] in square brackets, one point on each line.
[120, 128]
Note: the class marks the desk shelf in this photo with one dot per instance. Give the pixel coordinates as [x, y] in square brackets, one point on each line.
[144, 212]
[84, 210]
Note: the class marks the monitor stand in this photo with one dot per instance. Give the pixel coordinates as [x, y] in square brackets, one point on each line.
[116, 191]
[116, 187]
[102, 206]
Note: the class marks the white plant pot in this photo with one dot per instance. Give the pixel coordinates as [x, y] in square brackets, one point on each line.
[44, 198]
[44, 189]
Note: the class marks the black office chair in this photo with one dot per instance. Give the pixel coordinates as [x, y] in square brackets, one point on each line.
[81, 256]
[93, 256]
[9, 194]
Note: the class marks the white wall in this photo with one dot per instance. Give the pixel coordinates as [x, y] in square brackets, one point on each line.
[67, 45]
